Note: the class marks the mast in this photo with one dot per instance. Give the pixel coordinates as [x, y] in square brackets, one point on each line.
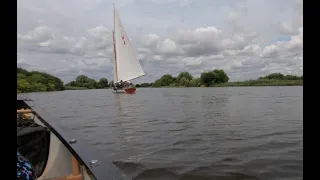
[114, 43]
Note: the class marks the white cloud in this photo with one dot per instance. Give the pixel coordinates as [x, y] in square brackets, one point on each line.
[67, 38]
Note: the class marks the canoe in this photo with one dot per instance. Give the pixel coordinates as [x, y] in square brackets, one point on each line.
[62, 154]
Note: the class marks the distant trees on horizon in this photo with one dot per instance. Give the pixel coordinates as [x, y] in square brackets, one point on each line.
[217, 78]
[35, 81]
[89, 83]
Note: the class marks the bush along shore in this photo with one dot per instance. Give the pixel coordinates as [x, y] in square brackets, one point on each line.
[218, 78]
[35, 81]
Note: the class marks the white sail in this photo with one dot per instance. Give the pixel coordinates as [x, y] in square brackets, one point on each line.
[127, 66]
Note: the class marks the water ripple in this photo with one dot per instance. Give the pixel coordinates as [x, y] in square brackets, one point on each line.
[190, 134]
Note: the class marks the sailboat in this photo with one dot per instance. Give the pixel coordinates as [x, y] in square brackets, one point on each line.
[126, 65]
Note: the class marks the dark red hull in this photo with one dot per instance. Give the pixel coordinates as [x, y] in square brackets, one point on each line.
[130, 90]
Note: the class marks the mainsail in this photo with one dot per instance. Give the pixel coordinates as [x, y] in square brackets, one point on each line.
[127, 66]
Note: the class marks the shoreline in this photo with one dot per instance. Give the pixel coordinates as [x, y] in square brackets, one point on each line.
[222, 86]
[250, 83]
[81, 89]
[35, 81]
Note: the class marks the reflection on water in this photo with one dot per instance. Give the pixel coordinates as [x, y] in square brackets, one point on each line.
[191, 133]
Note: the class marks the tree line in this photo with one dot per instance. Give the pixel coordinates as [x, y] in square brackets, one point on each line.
[84, 82]
[35, 81]
[279, 76]
[218, 78]
[185, 79]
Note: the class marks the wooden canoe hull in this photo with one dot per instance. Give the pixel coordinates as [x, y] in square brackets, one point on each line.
[68, 160]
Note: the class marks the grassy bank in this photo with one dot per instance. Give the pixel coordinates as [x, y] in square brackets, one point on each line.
[264, 82]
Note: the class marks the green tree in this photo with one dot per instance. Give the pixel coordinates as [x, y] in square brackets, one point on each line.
[50, 86]
[291, 77]
[222, 77]
[184, 82]
[36, 78]
[157, 83]
[22, 71]
[186, 75]
[195, 82]
[84, 81]
[35, 81]
[38, 87]
[208, 78]
[278, 76]
[23, 86]
[21, 76]
[103, 83]
[217, 76]
[144, 85]
[165, 80]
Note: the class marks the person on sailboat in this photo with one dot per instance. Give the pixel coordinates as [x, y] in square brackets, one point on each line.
[114, 86]
[129, 84]
[125, 84]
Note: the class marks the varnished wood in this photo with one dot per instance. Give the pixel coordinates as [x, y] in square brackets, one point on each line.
[77, 177]
[75, 166]
[24, 111]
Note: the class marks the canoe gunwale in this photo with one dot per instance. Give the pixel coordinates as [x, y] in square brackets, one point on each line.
[81, 149]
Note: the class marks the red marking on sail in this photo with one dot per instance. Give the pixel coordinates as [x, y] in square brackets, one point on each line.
[124, 42]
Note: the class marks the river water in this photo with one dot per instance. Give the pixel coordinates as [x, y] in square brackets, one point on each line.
[189, 133]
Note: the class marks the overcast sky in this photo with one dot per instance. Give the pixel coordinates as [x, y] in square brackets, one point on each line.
[246, 38]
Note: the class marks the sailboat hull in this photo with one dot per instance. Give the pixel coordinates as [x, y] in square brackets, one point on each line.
[118, 91]
[131, 90]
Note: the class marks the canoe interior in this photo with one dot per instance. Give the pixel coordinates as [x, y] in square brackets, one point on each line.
[68, 159]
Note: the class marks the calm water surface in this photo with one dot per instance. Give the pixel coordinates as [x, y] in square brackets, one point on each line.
[191, 133]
